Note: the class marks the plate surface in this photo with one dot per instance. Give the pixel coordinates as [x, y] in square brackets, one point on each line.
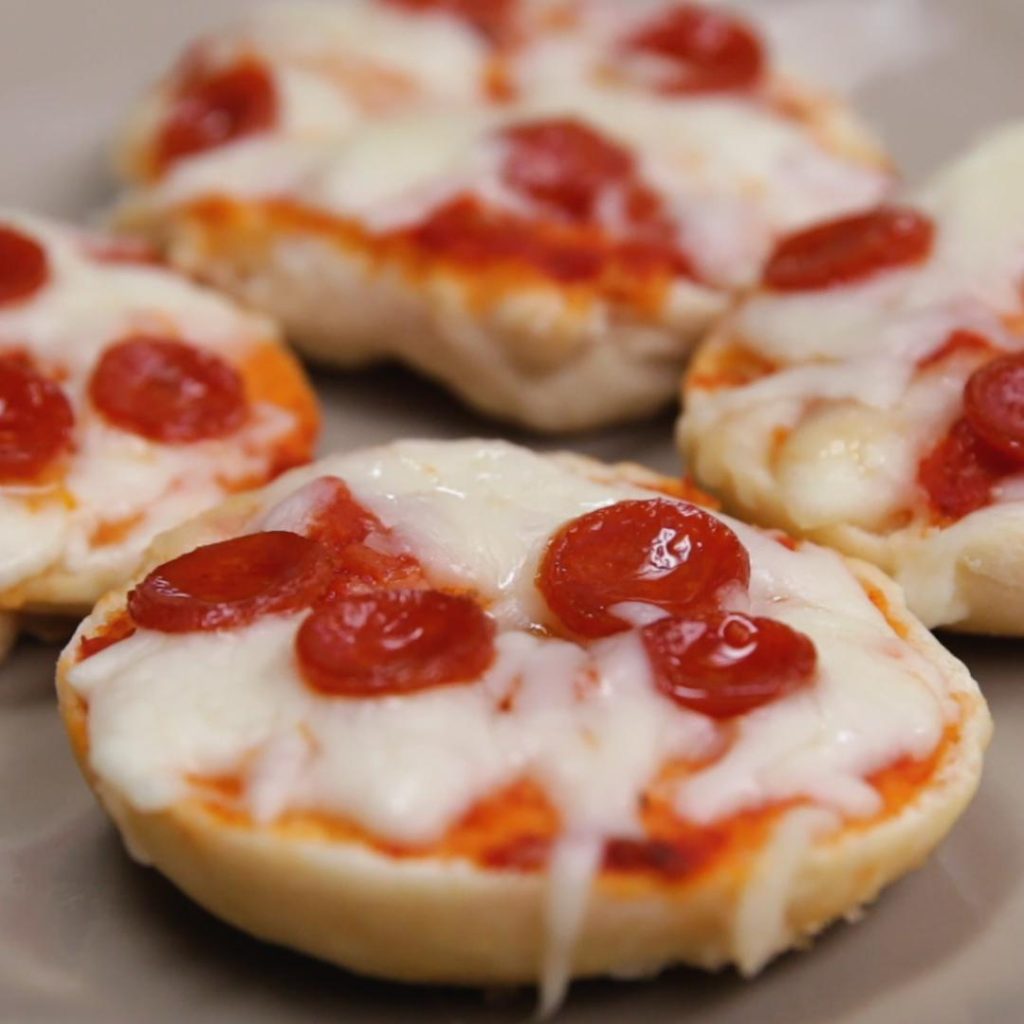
[87, 937]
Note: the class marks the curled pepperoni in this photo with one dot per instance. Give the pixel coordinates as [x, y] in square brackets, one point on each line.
[389, 642]
[849, 249]
[710, 51]
[213, 108]
[958, 474]
[493, 19]
[231, 583]
[727, 664]
[664, 553]
[168, 391]
[994, 404]
[35, 421]
[23, 266]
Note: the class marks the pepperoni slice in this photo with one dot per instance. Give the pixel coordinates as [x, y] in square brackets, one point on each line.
[565, 165]
[35, 421]
[390, 642]
[582, 177]
[232, 583]
[168, 391]
[23, 266]
[994, 404]
[493, 19]
[958, 474]
[668, 554]
[710, 51]
[213, 108]
[727, 664]
[362, 548]
[849, 249]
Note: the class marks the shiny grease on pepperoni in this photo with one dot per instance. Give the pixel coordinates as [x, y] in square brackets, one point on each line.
[212, 108]
[168, 391]
[36, 421]
[232, 583]
[674, 556]
[849, 249]
[387, 642]
[704, 50]
[24, 268]
[727, 664]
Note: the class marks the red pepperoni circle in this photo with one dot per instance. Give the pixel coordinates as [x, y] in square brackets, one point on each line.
[994, 404]
[664, 553]
[168, 391]
[727, 664]
[23, 266]
[394, 641]
[565, 165]
[232, 583]
[213, 108]
[493, 19]
[849, 249]
[710, 51]
[958, 474]
[35, 421]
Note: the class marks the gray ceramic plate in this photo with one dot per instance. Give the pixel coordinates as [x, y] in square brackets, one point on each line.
[86, 936]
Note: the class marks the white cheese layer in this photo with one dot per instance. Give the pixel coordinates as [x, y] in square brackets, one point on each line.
[586, 724]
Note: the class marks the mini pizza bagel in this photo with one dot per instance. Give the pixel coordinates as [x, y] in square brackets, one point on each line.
[130, 400]
[868, 394]
[550, 251]
[457, 712]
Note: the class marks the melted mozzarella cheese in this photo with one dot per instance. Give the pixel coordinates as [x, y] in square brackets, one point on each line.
[442, 56]
[114, 476]
[32, 536]
[760, 928]
[856, 414]
[588, 725]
